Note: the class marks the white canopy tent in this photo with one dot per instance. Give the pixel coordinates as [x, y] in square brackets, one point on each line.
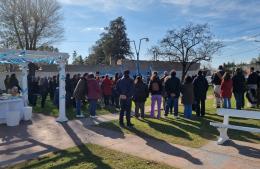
[23, 57]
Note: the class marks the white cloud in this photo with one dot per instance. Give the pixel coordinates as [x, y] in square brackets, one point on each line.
[89, 29]
[107, 5]
[239, 39]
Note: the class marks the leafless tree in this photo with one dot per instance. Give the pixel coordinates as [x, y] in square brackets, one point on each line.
[189, 45]
[30, 24]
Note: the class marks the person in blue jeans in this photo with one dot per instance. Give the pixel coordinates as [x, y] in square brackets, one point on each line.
[187, 96]
[172, 88]
[226, 90]
[80, 93]
[94, 93]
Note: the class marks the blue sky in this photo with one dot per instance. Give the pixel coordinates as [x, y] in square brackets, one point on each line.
[235, 22]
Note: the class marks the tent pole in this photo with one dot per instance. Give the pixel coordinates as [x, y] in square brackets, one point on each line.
[62, 93]
[25, 83]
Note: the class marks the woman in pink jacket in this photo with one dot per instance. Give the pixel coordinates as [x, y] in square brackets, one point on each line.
[94, 94]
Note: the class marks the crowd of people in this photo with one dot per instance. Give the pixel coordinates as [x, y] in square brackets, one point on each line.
[166, 91]
[226, 83]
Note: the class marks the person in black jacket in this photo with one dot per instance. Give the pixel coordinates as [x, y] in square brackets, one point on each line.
[125, 90]
[14, 82]
[155, 87]
[239, 87]
[43, 86]
[172, 87]
[141, 93]
[252, 82]
[7, 82]
[69, 90]
[201, 86]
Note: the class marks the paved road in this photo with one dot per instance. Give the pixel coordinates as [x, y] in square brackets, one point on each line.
[43, 135]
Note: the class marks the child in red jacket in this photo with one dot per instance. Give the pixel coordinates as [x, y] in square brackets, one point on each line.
[226, 90]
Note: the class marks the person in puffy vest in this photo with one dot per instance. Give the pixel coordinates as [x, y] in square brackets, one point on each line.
[155, 88]
[141, 93]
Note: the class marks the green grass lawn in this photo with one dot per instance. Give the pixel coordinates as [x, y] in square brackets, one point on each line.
[89, 156]
[193, 133]
[51, 110]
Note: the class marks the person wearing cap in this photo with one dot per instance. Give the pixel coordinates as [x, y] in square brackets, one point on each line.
[216, 81]
[125, 90]
[239, 87]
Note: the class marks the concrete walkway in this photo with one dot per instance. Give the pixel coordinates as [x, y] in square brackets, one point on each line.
[44, 135]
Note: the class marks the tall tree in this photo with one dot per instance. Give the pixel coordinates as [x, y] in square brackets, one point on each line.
[189, 45]
[29, 24]
[229, 66]
[113, 44]
[77, 59]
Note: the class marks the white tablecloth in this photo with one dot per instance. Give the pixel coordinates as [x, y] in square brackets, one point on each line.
[7, 106]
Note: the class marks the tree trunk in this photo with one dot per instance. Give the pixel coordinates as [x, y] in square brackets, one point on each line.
[183, 72]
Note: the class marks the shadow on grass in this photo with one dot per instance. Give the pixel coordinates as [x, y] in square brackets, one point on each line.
[115, 133]
[85, 153]
[165, 147]
[199, 128]
[167, 129]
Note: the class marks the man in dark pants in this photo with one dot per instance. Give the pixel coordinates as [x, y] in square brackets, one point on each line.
[172, 87]
[125, 90]
[201, 86]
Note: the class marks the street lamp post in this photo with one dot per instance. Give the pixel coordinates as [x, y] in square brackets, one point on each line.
[138, 52]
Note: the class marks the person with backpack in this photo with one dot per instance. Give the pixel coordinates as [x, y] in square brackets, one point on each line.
[201, 86]
[239, 87]
[216, 81]
[187, 96]
[125, 90]
[155, 87]
[141, 93]
[80, 93]
[172, 87]
[226, 90]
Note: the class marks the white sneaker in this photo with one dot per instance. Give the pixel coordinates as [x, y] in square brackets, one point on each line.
[176, 117]
[80, 116]
[93, 117]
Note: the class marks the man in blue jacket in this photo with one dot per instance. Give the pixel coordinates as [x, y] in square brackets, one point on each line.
[172, 88]
[125, 90]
